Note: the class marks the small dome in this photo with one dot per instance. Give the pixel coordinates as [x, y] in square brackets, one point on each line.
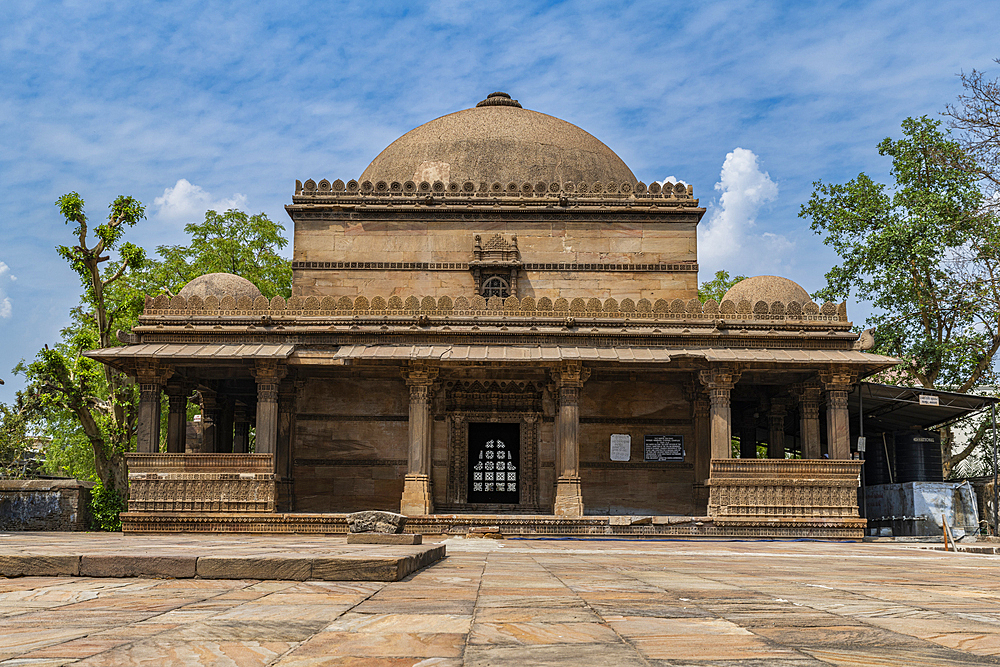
[219, 285]
[767, 288]
[498, 141]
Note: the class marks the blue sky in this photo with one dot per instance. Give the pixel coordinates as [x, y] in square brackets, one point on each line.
[190, 105]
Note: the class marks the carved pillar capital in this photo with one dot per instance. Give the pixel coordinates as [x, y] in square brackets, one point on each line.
[268, 373]
[569, 374]
[719, 377]
[151, 376]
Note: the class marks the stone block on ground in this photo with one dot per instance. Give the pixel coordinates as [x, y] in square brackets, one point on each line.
[376, 522]
[357, 568]
[383, 538]
[39, 566]
[122, 565]
[249, 567]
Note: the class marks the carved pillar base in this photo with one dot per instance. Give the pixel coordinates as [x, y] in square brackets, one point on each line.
[569, 499]
[417, 499]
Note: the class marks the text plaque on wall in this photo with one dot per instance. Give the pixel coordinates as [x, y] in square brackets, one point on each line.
[664, 447]
[621, 447]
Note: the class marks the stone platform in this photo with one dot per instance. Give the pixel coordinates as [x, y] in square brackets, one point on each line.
[510, 525]
[577, 602]
[205, 557]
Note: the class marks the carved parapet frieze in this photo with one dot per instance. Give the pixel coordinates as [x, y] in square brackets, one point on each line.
[565, 192]
[446, 306]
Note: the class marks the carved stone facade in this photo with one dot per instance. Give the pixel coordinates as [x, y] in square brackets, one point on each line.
[519, 320]
[236, 483]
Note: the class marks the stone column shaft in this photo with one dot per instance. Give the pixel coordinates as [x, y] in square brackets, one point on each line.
[702, 439]
[268, 374]
[151, 377]
[838, 432]
[177, 420]
[568, 379]
[417, 496]
[719, 383]
[809, 425]
[148, 426]
[776, 432]
[209, 419]
[241, 430]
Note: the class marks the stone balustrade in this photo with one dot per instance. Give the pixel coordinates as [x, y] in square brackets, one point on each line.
[201, 483]
[643, 309]
[541, 189]
[784, 489]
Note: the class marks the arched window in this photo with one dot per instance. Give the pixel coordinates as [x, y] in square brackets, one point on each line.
[496, 286]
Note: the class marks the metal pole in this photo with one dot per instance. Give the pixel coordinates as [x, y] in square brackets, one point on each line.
[993, 412]
[861, 455]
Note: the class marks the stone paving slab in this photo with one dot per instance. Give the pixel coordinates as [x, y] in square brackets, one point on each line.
[538, 602]
[209, 557]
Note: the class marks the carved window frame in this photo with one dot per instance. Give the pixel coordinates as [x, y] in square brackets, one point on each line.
[458, 461]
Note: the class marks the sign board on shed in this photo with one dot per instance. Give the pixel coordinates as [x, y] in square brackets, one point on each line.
[926, 399]
[664, 447]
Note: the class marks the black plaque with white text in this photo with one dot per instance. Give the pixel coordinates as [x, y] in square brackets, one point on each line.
[664, 447]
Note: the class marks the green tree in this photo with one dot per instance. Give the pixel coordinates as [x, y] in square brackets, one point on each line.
[86, 398]
[977, 118]
[926, 254]
[14, 439]
[718, 286]
[230, 242]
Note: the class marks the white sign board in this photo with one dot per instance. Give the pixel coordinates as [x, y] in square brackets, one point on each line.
[929, 400]
[621, 447]
[861, 443]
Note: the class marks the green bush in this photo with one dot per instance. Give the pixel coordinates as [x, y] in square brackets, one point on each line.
[105, 506]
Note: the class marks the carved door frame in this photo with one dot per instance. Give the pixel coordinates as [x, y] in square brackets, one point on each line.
[458, 461]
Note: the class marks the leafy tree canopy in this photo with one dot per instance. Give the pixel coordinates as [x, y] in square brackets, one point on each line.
[718, 286]
[926, 253]
[231, 242]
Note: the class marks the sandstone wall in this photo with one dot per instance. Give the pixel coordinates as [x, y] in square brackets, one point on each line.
[634, 487]
[350, 448]
[587, 245]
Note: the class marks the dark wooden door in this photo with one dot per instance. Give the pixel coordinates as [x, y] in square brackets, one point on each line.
[494, 463]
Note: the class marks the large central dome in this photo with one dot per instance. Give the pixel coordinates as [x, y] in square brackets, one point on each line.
[498, 142]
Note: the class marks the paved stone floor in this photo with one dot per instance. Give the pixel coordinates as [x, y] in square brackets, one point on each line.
[572, 602]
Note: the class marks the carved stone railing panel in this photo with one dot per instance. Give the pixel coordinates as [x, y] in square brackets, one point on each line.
[201, 482]
[592, 308]
[565, 191]
[783, 489]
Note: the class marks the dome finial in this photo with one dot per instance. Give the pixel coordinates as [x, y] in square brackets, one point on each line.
[499, 99]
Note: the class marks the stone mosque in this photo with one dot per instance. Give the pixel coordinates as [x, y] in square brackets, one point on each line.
[496, 324]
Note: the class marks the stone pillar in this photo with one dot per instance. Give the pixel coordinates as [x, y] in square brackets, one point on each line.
[224, 427]
[838, 432]
[177, 418]
[417, 498]
[702, 438]
[568, 380]
[241, 429]
[209, 421]
[748, 434]
[150, 377]
[719, 382]
[268, 374]
[283, 456]
[776, 429]
[809, 395]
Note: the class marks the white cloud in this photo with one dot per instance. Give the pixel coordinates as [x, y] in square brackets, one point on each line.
[6, 307]
[728, 240]
[187, 203]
